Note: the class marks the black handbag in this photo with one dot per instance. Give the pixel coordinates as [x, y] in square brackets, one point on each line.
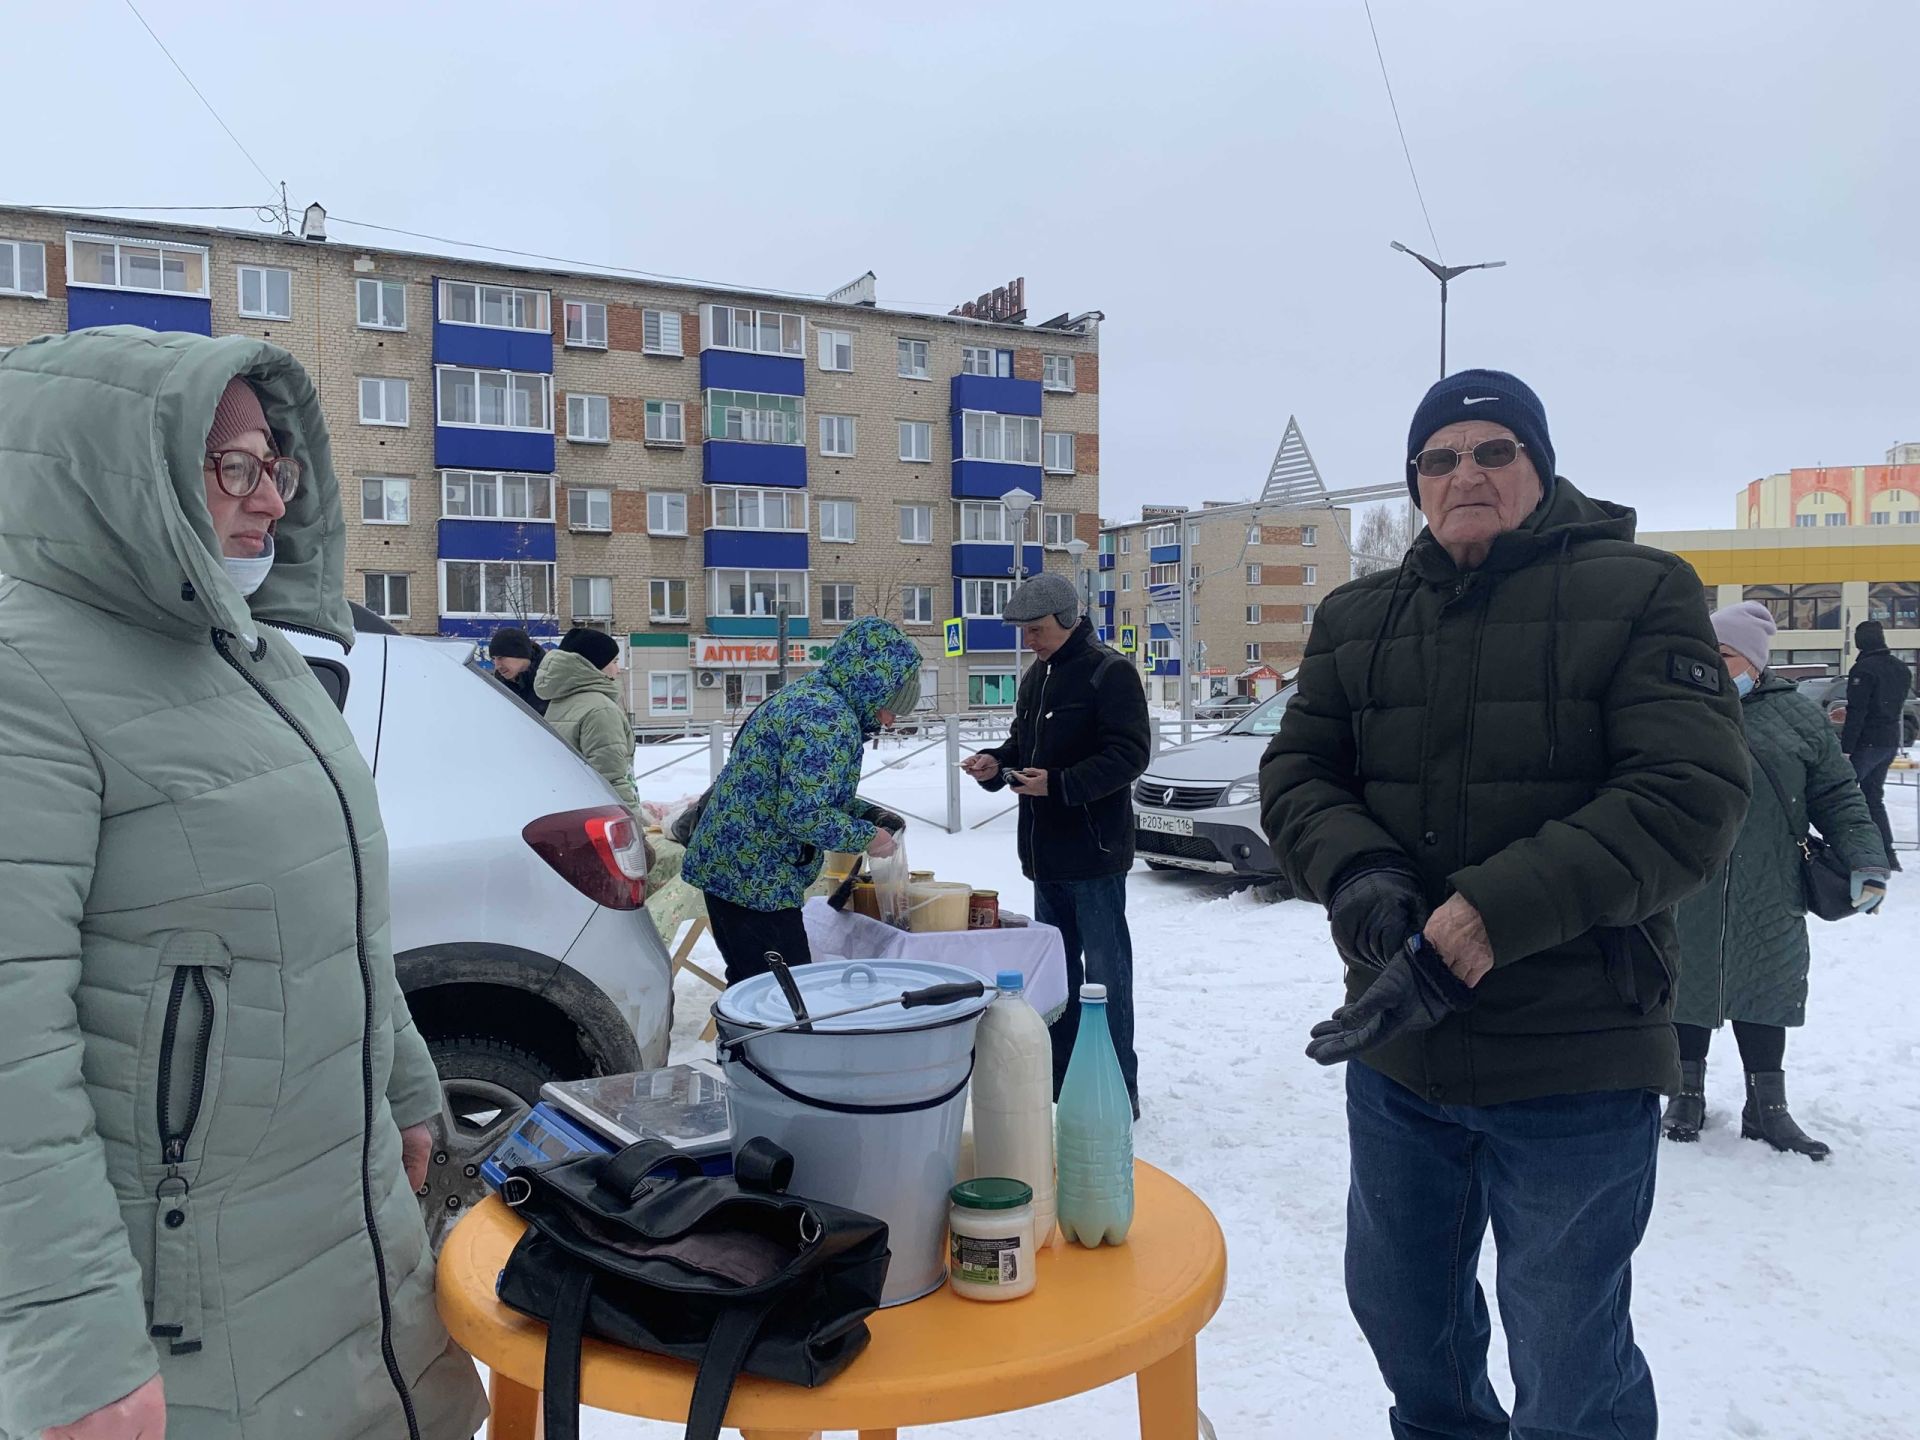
[1826, 880]
[728, 1272]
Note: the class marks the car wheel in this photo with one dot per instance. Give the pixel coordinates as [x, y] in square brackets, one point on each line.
[487, 1087]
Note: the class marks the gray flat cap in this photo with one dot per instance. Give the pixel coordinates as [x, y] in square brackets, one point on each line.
[1041, 596]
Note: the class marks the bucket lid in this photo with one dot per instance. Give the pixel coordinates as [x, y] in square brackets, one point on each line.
[991, 1193]
[841, 984]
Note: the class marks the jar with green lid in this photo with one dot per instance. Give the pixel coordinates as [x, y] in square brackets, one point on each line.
[992, 1245]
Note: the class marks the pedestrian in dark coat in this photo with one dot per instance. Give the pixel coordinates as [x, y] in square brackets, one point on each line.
[516, 663]
[1877, 690]
[1505, 763]
[1743, 937]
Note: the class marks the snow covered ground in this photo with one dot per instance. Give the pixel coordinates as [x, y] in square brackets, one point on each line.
[1775, 1298]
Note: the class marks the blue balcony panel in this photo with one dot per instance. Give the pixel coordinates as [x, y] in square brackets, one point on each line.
[745, 462]
[495, 540]
[1106, 598]
[87, 308]
[460, 447]
[1106, 562]
[986, 635]
[722, 625]
[545, 630]
[1166, 667]
[990, 479]
[484, 347]
[990, 392]
[761, 374]
[1164, 555]
[994, 562]
[756, 550]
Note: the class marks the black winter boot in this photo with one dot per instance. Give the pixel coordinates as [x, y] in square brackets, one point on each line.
[1766, 1117]
[1687, 1110]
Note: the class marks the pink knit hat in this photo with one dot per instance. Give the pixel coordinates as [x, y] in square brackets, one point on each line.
[238, 412]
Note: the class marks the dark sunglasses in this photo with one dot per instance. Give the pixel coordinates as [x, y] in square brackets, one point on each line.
[239, 472]
[1495, 454]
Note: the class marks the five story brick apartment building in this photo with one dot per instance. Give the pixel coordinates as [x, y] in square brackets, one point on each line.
[670, 463]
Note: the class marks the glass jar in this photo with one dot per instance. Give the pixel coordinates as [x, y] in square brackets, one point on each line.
[991, 1246]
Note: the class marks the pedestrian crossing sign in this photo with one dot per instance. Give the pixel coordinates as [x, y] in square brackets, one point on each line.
[1129, 639]
[956, 638]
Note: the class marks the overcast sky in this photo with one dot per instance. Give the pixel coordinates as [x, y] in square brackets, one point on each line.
[1710, 211]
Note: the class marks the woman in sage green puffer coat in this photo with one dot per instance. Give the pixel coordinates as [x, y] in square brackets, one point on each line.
[583, 705]
[194, 937]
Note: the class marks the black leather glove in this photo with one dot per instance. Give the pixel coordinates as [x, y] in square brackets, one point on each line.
[1415, 992]
[884, 818]
[1376, 907]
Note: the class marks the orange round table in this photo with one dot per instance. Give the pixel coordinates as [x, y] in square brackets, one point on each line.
[1096, 1316]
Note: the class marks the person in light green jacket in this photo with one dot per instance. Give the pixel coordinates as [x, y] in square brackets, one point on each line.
[583, 704]
[214, 1089]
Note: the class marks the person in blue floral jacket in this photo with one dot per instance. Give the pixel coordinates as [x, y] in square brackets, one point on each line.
[786, 796]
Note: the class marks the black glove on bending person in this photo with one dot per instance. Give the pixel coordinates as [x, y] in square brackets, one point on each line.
[1415, 992]
[1376, 907]
[886, 819]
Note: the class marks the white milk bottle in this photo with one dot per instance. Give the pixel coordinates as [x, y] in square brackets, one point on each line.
[1013, 1098]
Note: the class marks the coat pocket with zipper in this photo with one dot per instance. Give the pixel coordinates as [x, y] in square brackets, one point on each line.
[194, 966]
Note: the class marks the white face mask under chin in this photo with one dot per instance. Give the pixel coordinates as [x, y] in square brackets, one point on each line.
[249, 572]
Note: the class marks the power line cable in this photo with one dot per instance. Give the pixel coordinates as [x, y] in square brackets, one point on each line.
[271, 185]
[1405, 149]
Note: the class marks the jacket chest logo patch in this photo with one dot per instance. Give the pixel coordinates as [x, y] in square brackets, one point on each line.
[1696, 673]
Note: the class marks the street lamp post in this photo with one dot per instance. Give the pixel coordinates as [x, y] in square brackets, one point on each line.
[1444, 274]
[1077, 548]
[1017, 502]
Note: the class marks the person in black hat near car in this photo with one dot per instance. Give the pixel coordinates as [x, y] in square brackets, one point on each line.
[1079, 741]
[516, 663]
[1877, 689]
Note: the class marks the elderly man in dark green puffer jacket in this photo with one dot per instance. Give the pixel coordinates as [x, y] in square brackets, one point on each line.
[1505, 763]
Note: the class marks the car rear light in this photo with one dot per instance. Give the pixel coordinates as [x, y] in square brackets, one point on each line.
[600, 852]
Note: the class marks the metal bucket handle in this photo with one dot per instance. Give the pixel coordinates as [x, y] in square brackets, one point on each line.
[841, 1107]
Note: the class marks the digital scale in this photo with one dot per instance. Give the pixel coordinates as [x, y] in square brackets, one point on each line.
[684, 1105]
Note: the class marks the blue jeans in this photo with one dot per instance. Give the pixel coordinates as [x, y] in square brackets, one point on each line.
[1567, 1182]
[1091, 916]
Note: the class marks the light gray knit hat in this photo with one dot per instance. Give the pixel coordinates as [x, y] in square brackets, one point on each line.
[1043, 595]
[1747, 627]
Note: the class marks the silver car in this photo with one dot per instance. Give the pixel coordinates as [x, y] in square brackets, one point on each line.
[1198, 805]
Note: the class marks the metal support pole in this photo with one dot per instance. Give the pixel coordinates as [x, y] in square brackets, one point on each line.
[1443, 329]
[780, 653]
[716, 748]
[953, 775]
[1186, 637]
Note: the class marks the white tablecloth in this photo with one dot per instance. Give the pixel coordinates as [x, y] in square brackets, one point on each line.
[1034, 949]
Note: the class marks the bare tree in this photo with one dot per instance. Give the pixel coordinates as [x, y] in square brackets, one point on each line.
[1386, 533]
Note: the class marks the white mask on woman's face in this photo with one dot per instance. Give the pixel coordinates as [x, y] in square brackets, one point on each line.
[249, 572]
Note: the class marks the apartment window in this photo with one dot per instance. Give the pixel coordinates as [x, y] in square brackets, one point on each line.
[496, 307]
[1159, 649]
[490, 495]
[1835, 517]
[1253, 534]
[1306, 615]
[1163, 535]
[738, 509]
[984, 522]
[383, 402]
[23, 268]
[836, 435]
[836, 602]
[105, 262]
[660, 332]
[1126, 616]
[836, 349]
[591, 508]
[386, 596]
[762, 332]
[1056, 528]
[1126, 580]
[385, 499]
[984, 360]
[588, 419]
[916, 524]
[1253, 653]
[265, 293]
[745, 691]
[1309, 534]
[916, 440]
[586, 324]
[1168, 574]
[737, 593]
[668, 692]
[495, 588]
[592, 597]
[1056, 453]
[988, 435]
[1253, 574]
[991, 688]
[1253, 614]
[1894, 603]
[666, 513]
[1880, 517]
[1310, 575]
[915, 359]
[495, 399]
[1126, 544]
[916, 604]
[761, 419]
[984, 599]
[667, 599]
[666, 422]
[1805, 522]
[1056, 373]
[1193, 572]
[836, 520]
[383, 304]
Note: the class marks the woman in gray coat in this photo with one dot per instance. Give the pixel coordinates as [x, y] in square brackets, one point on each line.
[1743, 938]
